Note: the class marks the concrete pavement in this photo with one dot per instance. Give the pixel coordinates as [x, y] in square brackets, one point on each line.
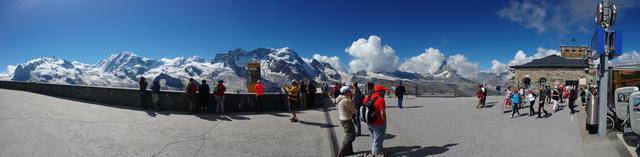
[38, 125]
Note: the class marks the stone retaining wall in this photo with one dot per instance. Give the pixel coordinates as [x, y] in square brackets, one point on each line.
[169, 100]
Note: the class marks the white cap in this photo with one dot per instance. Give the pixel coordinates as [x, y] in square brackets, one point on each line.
[345, 89]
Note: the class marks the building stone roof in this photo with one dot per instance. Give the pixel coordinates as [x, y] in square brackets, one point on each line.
[553, 61]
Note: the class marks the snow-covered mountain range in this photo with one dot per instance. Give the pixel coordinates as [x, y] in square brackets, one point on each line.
[277, 66]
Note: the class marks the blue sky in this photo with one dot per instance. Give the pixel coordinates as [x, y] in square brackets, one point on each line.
[90, 30]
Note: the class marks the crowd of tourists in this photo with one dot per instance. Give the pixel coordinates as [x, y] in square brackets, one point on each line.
[560, 96]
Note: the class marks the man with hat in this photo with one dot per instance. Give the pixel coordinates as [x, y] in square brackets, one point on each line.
[346, 110]
[379, 126]
[292, 96]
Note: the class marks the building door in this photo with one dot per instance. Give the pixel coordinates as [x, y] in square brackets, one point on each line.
[543, 81]
[527, 83]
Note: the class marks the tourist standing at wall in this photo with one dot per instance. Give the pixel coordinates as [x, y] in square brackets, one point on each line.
[191, 93]
[515, 109]
[358, 97]
[400, 92]
[555, 97]
[155, 95]
[303, 94]
[218, 91]
[480, 96]
[498, 90]
[143, 92]
[531, 97]
[543, 97]
[203, 94]
[378, 127]
[259, 92]
[292, 96]
[311, 94]
[345, 114]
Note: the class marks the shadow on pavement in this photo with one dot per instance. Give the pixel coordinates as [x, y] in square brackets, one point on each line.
[404, 107]
[418, 150]
[389, 136]
[321, 125]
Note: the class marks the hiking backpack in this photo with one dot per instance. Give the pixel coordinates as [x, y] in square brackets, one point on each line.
[216, 89]
[368, 110]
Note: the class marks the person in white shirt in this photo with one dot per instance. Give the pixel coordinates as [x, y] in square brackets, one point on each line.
[345, 114]
[532, 99]
[507, 94]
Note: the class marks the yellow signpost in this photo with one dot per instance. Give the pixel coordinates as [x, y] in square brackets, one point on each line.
[254, 75]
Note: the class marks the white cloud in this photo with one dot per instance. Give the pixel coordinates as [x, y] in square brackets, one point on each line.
[521, 58]
[528, 14]
[463, 67]
[371, 55]
[562, 16]
[334, 61]
[428, 62]
[11, 69]
[498, 67]
[629, 57]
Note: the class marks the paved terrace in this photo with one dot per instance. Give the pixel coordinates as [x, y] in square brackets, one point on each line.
[39, 125]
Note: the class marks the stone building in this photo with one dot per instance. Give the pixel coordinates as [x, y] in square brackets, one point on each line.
[568, 69]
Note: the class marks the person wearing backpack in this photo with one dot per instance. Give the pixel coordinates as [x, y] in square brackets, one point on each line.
[191, 93]
[345, 114]
[376, 117]
[218, 91]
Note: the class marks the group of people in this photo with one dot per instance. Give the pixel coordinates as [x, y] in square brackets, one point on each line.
[517, 98]
[300, 96]
[195, 95]
[351, 102]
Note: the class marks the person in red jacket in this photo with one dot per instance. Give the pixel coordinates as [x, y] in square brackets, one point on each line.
[218, 91]
[378, 127]
[191, 93]
[259, 92]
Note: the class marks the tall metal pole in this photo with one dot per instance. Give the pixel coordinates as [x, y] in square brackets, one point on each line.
[604, 72]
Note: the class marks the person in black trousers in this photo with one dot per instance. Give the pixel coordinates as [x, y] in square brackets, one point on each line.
[543, 97]
[143, 92]
[532, 99]
[572, 99]
[203, 93]
[484, 94]
[311, 96]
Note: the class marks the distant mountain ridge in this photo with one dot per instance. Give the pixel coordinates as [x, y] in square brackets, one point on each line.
[277, 66]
